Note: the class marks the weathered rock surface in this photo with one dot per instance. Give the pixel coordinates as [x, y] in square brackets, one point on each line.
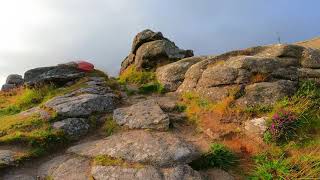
[55, 74]
[125, 173]
[73, 127]
[171, 76]
[218, 174]
[182, 172]
[152, 54]
[267, 92]
[143, 37]
[19, 177]
[256, 126]
[144, 115]
[83, 105]
[155, 148]
[12, 81]
[6, 158]
[150, 50]
[7, 87]
[66, 167]
[259, 75]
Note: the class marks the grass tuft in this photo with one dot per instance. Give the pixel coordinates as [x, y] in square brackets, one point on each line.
[219, 156]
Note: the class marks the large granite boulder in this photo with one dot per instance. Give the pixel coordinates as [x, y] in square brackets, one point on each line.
[58, 75]
[12, 81]
[258, 75]
[151, 49]
[139, 146]
[171, 76]
[143, 37]
[144, 115]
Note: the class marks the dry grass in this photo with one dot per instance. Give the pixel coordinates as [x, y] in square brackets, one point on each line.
[312, 43]
[258, 77]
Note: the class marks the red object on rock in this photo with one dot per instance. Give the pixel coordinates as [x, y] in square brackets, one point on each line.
[85, 66]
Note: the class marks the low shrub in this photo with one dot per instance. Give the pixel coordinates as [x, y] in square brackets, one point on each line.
[219, 156]
[154, 87]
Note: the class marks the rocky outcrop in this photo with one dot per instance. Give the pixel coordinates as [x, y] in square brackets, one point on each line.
[259, 75]
[150, 50]
[13, 81]
[144, 115]
[171, 76]
[58, 75]
[139, 146]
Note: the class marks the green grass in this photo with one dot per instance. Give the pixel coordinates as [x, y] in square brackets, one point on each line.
[146, 81]
[219, 156]
[133, 76]
[32, 131]
[270, 167]
[110, 127]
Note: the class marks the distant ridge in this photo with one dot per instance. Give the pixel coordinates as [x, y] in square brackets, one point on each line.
[312, 43]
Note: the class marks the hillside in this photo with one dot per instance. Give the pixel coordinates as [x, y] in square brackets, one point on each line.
[245, 114]
[312, 43]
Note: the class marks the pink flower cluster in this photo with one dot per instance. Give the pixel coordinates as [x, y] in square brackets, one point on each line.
[281, 122]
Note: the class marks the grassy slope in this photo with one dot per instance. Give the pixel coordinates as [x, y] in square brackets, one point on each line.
[296, 158]
[29, 130]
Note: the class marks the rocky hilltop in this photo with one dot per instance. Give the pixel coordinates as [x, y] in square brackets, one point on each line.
[169, 115]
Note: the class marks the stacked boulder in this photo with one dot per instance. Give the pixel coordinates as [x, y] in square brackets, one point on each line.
[13, 81]
[151, 49]
[58, 75]
[258, 75]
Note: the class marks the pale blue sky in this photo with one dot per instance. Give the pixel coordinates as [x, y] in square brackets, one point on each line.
[46, 32]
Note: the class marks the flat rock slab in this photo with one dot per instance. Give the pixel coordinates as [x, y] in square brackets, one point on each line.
[144, 115]
[6, 158]
[66, 167]
[74, 128]
[182, 172]
[125, 173]
[139, 146]
[83, 105]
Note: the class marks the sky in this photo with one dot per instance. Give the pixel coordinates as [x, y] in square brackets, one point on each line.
[36, 33]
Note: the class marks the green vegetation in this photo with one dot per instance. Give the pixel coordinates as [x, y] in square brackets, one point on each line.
[298, 117]
[133, 76]
[32, 131]
[219, 156]
[293, 129]
[110, 126]
[145, 81]
[280, 164]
